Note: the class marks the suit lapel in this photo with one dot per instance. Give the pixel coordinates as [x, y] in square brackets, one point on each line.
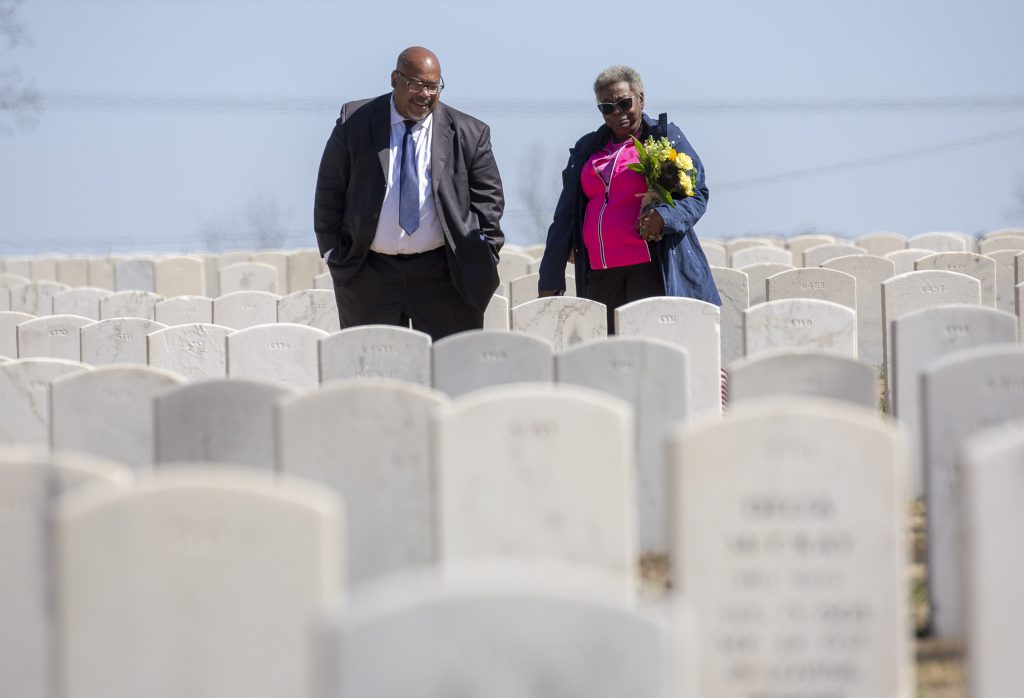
[381, 125]
[441, 144]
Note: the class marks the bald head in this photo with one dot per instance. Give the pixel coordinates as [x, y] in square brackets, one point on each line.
[417, 83]
[415, 59]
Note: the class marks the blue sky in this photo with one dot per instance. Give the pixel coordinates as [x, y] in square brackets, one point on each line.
[171, 124]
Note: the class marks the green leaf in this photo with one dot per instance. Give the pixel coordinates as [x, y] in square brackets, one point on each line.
[664, 194]
[636, 167]
[640, 149]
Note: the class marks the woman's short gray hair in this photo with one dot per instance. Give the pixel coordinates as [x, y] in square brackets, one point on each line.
[618, 73]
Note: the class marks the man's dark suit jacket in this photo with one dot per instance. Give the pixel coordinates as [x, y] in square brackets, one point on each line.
[467, 193]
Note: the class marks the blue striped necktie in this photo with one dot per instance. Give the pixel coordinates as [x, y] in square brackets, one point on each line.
[409, 184]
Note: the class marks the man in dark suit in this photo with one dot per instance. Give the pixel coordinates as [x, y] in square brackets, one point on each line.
[408, 203]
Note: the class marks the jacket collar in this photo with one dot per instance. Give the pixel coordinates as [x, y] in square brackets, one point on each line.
[441, 139]
[380, 125]
[601, 136]
[441, 136]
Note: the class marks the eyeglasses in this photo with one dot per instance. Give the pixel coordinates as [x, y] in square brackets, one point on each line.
[431, 88]
[623, 104]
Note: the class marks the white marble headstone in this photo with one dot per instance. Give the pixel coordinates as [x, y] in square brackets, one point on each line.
[135, 275]
[734, 290]
[470, 361]
[757, 274]
[278, 260]
[800, 323]
[993, 561]
[282, 352]
[141, 304]
[218, 421]
[378, 456]
[73, 271]
[904, 293]
[561, 320]
[117, 341]
[920, 337]
[43, 268]
[904, 259]
[790, 518]
[303, 266]
[798, 243]
[313, 307]
[538, 471]
[715, 252]
[35, 298]
[797, 371]
[199, 583]
[869, 271]
[962, 394]
[653, 376]
[813, 282]
[939, 242]
[1005, 277]
[25, 396]
[376, 351]
[497, 316]
[524, 288]
[108, 411]
[53, 337]
[978, 266]
[760, 254]
[9, 321]
[101, 273]
[179, 276]
[1001, 243]
[80, 301]
[244, 309]
[819, 254]
[18, 266]
[30, 478]
[688, 323]
[248, 276]
[184, 310]
[745, 243]
[193, 351]
[512, 265]
[489, 637]
[881, 243]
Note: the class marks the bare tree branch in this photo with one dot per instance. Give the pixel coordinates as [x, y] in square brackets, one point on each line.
[266, 223]
[9, 25]
[259, 223]
[20, 104]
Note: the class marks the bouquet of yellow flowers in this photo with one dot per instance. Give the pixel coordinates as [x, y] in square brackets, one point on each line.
[668, 172]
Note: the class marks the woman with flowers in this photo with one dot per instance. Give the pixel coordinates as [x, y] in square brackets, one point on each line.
[631, 194]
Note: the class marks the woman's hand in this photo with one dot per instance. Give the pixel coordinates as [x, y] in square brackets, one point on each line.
[650, 225]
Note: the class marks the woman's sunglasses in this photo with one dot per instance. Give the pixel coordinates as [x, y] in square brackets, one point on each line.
[609, 107]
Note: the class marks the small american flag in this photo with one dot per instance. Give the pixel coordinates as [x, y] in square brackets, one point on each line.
[725, 390]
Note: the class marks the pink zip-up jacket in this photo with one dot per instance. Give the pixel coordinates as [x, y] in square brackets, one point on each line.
[614, 194]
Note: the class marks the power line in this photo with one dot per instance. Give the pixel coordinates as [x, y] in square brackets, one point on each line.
[872, 161]
[130, 102]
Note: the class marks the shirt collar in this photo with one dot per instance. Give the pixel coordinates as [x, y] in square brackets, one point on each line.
[397, 118]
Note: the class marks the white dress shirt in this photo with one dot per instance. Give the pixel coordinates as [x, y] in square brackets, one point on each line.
[390, 238]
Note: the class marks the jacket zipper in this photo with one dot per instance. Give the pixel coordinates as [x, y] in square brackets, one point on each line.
[600, 216]
[607, 190]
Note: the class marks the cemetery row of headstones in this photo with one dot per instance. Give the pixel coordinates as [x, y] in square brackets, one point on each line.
[786, 535]
[786, 532]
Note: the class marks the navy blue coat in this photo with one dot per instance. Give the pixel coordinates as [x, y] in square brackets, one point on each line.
[684, 268]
